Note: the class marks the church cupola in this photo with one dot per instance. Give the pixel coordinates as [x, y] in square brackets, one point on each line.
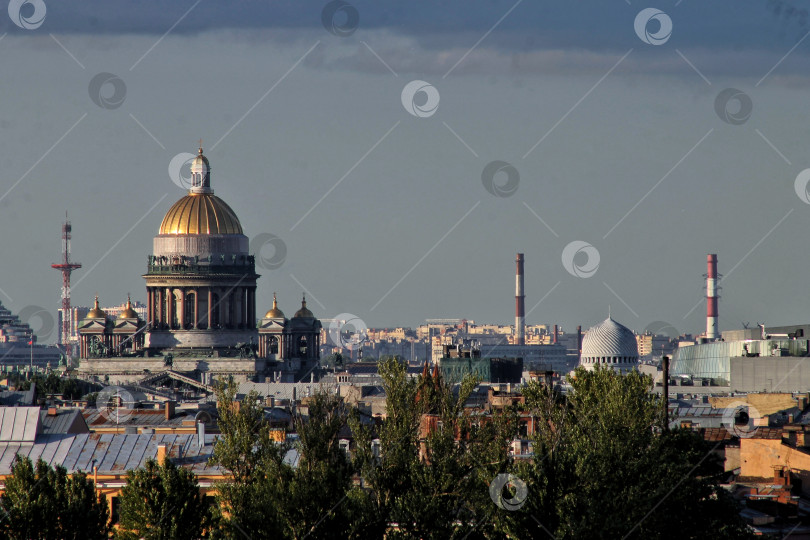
[200, 174]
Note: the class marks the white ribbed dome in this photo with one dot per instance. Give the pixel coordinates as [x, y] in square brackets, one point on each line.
[610, 343]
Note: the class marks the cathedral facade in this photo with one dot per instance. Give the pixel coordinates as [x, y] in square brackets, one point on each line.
[201, 307]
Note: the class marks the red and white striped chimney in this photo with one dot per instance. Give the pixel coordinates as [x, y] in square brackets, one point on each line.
[520, 314]
[711, 296]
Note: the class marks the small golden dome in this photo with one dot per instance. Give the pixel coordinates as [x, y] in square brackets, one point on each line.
[200, 213]
[96, 312]
[128, 312]
[303, 313]
[274, 313]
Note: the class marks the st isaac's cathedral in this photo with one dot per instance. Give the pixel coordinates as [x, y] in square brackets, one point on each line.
[201, 306]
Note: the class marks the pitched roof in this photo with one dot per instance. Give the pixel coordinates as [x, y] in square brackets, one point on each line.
[19, 424]
[114, 453]
[64, 421]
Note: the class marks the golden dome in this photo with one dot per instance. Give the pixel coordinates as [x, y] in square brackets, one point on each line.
[303, 313]
[128, 312]
[274, 313]
[96, 312]
[200, 213]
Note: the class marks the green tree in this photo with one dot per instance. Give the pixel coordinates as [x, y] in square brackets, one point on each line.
[604, 469]
[268, 497]
[436, 460]
[162, 502]
[44, 502]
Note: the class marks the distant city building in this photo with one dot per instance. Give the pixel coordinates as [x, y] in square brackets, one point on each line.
[18, 344]
[456, 364]
[748, 360]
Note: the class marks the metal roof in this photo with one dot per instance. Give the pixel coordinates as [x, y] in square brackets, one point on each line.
[64, 421]
[10, 398]
[283, 390]
[99, 418]
[114, 453]
[18, 424]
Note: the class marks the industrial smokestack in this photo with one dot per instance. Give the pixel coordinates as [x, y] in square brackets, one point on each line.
[556, 333]
[520, 330]
[666, 392]
[711, 296]
[579, 343]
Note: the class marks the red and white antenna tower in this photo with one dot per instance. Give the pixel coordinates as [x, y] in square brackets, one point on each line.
[66, 267]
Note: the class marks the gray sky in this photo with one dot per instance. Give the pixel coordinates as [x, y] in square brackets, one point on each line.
[632, 156]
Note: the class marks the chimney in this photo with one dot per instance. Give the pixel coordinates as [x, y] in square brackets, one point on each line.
[201, 434]
[579, 343]
[170, 410]
[711, 297]
[162, 451]
[666, 392]
[556, 334]
[51, 411]
[520, 313]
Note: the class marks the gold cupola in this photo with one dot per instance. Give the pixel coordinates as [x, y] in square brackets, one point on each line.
[274, 313]
[128, 312]
[96, 312]
[200, 212]
[304, 312]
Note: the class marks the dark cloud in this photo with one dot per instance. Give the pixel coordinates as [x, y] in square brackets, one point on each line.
[590, 24]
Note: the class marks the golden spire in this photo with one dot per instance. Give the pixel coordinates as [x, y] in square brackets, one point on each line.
[200, 146]
[275, 305]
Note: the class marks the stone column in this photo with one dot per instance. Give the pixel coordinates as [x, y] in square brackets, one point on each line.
[182, 309]
[231, 309]
[210, 307]
[251, 309]
[161, 307]
[170, 307]
[149, 305]
[196, 308]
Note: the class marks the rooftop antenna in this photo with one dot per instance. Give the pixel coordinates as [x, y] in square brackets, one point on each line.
[66, 267]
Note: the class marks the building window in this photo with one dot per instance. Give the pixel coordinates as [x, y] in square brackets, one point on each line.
[115, 510]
